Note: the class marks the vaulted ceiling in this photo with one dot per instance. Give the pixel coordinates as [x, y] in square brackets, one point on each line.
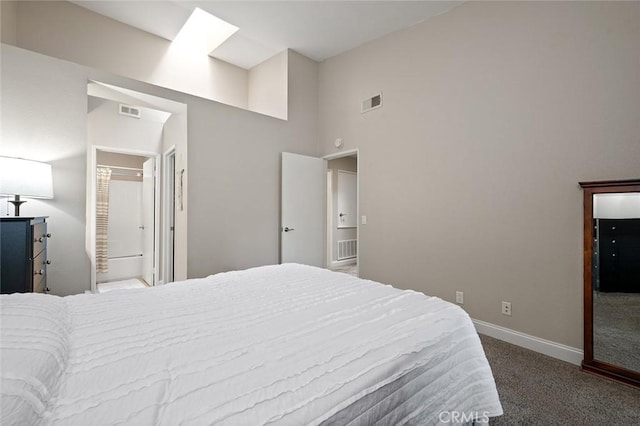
[316, 29]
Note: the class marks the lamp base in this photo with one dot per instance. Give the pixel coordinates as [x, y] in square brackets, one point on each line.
[17, 202]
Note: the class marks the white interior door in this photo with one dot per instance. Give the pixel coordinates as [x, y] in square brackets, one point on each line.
[148, 221]
[302, 210]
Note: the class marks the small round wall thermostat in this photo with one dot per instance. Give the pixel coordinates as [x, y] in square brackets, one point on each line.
[338, 142]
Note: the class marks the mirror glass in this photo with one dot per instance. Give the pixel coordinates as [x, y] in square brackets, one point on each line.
[616, 279]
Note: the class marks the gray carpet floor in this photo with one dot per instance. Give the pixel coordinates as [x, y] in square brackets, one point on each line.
[536, 389]
[347, 269]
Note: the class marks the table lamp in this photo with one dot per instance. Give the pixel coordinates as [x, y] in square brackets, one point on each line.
[25, 178]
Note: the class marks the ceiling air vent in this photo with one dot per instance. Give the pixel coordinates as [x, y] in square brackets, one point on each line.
[129, 111]
[372, 103]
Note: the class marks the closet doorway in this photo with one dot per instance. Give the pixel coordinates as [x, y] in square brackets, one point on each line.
[342, 212]
[311, 227]
[127, 213]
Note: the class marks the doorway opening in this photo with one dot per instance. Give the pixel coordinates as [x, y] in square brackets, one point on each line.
[342, 231]
[127, 218]
[137, 236]
[312, 230]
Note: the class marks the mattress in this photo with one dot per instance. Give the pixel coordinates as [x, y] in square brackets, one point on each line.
[283, 344]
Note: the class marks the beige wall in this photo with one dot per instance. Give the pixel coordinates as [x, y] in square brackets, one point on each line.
[349, 164]
[120, 160]
[234, 207]
[8, 17]
[469, 172]
[268, 86]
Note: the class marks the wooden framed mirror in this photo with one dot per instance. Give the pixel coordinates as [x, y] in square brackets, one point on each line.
[612, 279]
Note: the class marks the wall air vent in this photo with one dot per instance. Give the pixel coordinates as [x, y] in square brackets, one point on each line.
[371, 103]
[129, 111]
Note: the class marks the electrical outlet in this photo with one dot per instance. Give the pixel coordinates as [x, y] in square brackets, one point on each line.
[459, 297]
[506, 308]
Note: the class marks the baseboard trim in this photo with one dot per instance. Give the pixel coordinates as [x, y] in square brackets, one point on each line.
[336, 263]
[543, 346]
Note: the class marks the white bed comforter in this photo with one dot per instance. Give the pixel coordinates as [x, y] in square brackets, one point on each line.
[287, 344]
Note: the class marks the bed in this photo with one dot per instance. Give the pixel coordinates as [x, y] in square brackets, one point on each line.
[283, 344]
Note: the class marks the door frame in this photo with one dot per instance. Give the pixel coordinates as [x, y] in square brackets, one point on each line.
[328, 234]
[91, 206]
[329, 221]
[168, 207]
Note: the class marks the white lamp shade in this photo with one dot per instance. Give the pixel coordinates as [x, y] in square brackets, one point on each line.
[26, 178]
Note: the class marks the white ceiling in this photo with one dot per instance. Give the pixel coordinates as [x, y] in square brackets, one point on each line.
[316, 29]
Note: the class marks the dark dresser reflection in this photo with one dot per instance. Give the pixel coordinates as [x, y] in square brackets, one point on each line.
[618, 255]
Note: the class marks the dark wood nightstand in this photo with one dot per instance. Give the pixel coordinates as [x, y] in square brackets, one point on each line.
[23, 254]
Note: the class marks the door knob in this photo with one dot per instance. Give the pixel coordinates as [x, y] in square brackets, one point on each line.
[287, 229]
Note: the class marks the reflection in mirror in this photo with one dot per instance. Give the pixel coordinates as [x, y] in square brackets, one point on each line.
[616, 279]
[612, 279]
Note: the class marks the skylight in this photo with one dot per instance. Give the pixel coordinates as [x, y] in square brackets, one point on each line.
[203, 32]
